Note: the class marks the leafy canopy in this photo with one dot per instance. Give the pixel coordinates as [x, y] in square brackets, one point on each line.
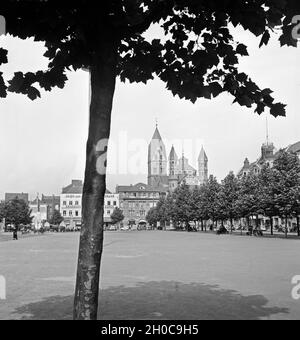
[16, 212]
[197, 58]
[56, 218]
[117, 216]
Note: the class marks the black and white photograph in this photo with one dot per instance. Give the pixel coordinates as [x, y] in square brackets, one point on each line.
[149, 163]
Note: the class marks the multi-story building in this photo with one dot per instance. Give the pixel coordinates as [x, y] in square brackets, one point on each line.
[179, 168]
[111, 202]
[137, 200]
[71, 204]
[267, 157]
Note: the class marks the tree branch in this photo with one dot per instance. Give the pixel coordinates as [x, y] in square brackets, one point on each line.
[161, 10]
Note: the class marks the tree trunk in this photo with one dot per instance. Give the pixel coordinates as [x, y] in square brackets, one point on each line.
[231, 225]
[103, 80]
[298, 225]
[286, 227]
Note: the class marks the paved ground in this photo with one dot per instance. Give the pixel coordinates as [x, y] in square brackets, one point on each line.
[4, 237]
[155, 275]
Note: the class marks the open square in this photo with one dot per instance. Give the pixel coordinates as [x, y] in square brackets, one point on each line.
[155, 275]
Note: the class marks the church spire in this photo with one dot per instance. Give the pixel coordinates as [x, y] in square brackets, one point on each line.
[203, 166]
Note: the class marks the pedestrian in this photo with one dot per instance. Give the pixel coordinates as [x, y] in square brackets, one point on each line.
[15, 234]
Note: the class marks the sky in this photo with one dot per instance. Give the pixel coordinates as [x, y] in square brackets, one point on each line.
[42, 143]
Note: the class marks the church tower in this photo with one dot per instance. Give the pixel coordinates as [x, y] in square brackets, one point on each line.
[203, 167]
[157, 162]
[173, 178]
[173, 161]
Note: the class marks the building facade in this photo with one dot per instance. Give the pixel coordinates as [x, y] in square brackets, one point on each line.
[136, 201]
[267, 157]
[168, 174]
[111, 202]
[71, 204]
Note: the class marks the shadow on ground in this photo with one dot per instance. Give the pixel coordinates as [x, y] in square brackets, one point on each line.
[160, 301]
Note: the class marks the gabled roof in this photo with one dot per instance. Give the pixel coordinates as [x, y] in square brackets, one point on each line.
[75, 188]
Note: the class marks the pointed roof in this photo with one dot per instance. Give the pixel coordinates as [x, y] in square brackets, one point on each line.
[203, 155]
[173, 154]
[156, 135]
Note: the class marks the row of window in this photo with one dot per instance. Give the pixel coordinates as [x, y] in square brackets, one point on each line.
[76, 213]
[139, 205]
[77, 203]
[133, 213]
[109, 203]
[141, 194]
[71, 203]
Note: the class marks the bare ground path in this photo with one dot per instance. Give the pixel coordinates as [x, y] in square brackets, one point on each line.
[155, 275]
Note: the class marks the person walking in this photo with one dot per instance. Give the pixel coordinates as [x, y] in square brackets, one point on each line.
[15, 234]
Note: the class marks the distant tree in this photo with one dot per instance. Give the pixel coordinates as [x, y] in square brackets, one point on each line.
[268, 192]
[56, 218]
[2, 210]
[152, 217]
[162, 212]
[165, 209]
[197, 58]
[183, 211]
[248, 203]
[197, 206]
[211, 192]
[117, 216]
[228, 197]
[16, 212]
[287, 174]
